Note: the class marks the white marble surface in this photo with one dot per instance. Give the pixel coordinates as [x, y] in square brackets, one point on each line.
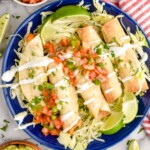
[8, 6]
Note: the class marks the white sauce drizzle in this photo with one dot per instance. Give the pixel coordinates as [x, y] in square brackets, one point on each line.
[111, 74]
[84, 87]
[20, 117]
[28, 81]
[144, 58]
[73, 124]
[61, 82]
[66, 56]
[67, 116]
[124, 38]
[89, 101]
[118, 51]
[25, 125]
[8, 75]
[64, 99]
[108, 90]
[126, 79]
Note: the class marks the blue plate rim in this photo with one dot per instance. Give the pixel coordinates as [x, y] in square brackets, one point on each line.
[56, 3]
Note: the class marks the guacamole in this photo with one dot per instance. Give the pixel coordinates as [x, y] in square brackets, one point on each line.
[18, 147]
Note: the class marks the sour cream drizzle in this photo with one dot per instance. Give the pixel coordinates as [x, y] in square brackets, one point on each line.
[67, 116]
[8, 75]
[118, 51]
[111, 74]
[25, 125]
[89, 101]
[84, 87]
[124, 38]
[61, 82]
[73, 124]
[20, 117]
[66, 56]
[28, 81]
[126, 79]
[108, 90]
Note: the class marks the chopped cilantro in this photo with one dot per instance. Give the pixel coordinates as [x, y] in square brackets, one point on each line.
[106, 46]
[48, 86]
[101, 65]
[53, 73]
[62, 87]
[33, 54]
[96, 81]
[70, 65]
[120, 60]
[40, 87]
[4, 128]
[99, 51]
[141, 129]
[16, 17]
[112, 54]
[31, 73]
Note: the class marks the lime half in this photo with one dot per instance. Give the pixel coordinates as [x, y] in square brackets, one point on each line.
[68, 14]
[129, 107]
[113, 124]
[48, 30]
[4, 20]
[133, 145]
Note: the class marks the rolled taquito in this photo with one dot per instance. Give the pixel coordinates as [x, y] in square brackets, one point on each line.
[66, 94]
[111, 87]
[126, 58]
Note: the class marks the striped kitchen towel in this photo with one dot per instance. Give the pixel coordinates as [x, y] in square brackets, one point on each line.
[139, 10]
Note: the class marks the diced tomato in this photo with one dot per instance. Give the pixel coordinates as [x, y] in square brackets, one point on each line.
[51, 103]
[48, 119]
[54, 132]
[45, 110]
[50, 47]
[83, 50]
[101, 71]
[92, 74]
[71, 74]
[29, 37]
[77, 54]
[84, 61]
[53, 95]
[57, 60]
[57, 123]
[49, 113]
[73, 81]
[94, 55]
[45, 93]
[90, 51]
[45, 131]
[66, 70]
[65, 42]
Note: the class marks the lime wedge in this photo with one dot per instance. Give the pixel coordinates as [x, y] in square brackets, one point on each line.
[129, 107]
[113, 124]
[47, 30]
[4, 20]
[68, 14]
[133, 145]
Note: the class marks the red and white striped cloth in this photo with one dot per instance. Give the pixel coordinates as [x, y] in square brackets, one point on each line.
[139, 10]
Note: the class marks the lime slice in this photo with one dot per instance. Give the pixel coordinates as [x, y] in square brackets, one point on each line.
[129, 107]
[113, 124]
[69, 14]
[48, 30]
[133, 145]
[4, 20]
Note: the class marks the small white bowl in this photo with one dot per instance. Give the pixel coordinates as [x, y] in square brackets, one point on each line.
[25, 4]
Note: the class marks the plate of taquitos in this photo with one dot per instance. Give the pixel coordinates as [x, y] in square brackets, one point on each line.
[74, 71]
